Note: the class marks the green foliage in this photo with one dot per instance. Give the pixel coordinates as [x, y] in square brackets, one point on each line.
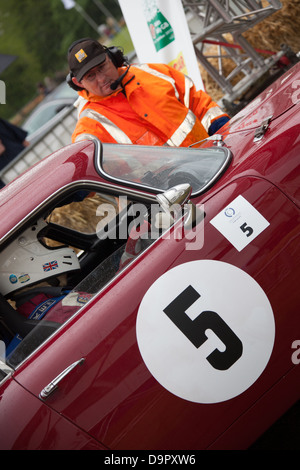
[123, 40]
[39, 33]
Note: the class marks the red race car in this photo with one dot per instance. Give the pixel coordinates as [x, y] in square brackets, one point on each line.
[150, 296]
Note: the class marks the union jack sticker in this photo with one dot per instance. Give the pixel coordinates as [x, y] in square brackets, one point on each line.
[50, 266]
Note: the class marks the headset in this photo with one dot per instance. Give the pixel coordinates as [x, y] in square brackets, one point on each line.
[114, 53]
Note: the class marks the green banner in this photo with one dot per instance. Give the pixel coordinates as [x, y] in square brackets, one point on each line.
[161, 31]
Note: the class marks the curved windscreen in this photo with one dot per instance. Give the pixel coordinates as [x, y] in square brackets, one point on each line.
[161, 168]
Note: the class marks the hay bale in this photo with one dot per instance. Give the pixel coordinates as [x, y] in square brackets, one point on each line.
[80, 216]
[280, 28]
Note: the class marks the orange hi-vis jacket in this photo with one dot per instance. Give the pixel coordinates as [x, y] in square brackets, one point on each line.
[157, 106]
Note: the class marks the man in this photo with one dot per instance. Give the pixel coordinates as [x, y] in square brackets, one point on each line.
[149, 104]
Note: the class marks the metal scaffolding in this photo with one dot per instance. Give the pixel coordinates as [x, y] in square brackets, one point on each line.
[222, 23]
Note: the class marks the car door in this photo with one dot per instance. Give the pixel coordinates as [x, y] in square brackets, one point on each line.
[96, 372]
[103, 374]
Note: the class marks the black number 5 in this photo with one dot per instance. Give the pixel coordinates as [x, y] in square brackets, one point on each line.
[246, 229]
[194, 330]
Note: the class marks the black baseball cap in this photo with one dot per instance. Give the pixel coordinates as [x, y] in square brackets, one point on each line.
[83, 55]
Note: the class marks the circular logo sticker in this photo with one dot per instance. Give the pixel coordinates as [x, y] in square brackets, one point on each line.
[13, 278]
[205, 330]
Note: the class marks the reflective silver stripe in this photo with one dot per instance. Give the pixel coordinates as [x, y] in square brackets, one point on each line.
[119, 136]
[171, 80]
[84, 137]
[189, 121]
[79, 103]
[183, 130]
[188, 85]
[211, 114]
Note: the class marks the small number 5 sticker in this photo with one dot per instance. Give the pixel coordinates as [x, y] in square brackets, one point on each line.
[240, 223]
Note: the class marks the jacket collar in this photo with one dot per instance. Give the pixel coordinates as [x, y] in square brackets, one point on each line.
[96, 98]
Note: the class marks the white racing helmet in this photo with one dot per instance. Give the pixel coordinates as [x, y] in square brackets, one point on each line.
[27, 261]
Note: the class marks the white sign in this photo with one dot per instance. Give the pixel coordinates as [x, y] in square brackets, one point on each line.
[205, 330]
[68, 4]
[240, 223]
[160, 34]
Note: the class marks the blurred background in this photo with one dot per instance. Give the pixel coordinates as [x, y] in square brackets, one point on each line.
[35, 36]
[34, 39]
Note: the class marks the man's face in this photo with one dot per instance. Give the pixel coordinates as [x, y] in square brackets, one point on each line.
[97, 81]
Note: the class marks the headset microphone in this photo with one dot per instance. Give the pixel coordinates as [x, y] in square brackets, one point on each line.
[115, 84]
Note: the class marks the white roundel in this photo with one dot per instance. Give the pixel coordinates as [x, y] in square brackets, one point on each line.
[205, 330]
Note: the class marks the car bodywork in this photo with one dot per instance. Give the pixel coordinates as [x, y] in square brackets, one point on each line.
[135, 368]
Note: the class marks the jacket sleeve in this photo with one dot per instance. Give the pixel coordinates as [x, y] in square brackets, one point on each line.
[208, 112]
[211, 116]
[87, 128]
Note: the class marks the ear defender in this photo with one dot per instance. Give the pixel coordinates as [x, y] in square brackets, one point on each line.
[71, 83]
[116, 55]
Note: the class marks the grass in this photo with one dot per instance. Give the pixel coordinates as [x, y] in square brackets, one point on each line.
[122, 39]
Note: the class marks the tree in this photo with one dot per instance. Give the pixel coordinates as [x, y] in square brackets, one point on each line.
[39, 34]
